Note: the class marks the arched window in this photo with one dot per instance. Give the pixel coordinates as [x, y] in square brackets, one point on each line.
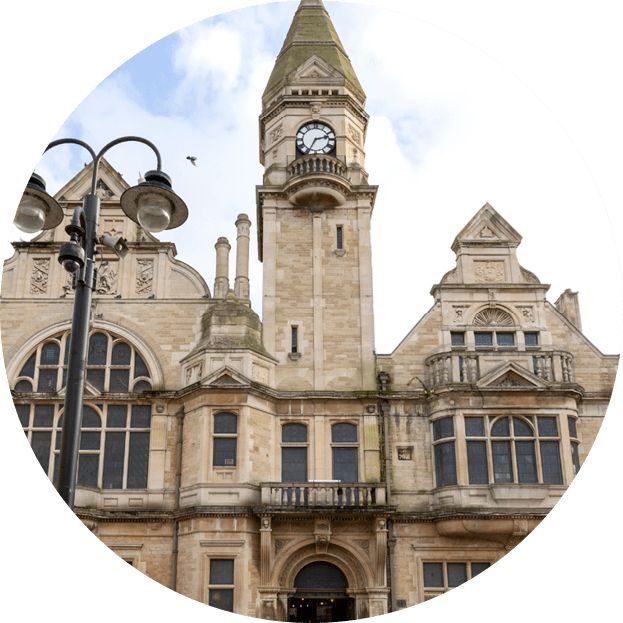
[114, 441]
[493, 317]
[294, 453]
[512, 449]
[113, 366]
[345, 450]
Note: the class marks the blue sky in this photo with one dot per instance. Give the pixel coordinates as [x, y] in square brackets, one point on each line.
[450, 129]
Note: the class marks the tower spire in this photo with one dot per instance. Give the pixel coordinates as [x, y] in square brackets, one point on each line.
[312, 33]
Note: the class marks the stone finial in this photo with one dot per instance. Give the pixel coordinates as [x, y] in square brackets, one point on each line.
[221, 280]
[241, 284]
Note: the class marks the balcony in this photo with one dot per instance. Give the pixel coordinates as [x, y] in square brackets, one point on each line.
[317, 179]
[462, 366]
[322, 495]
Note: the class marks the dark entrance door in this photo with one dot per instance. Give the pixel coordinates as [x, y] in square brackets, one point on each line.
[314, 609]
[320, 595]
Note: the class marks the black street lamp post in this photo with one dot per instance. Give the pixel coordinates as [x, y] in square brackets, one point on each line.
[155, 207]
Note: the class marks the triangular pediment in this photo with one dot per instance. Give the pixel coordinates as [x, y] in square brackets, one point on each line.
[512, 376]
[225, 377]
[317, 71]
[110, 184]
[487, 227]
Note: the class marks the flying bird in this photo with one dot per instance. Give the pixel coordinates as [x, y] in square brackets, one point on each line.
[193, 160]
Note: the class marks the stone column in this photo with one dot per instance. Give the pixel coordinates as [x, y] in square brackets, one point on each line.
[221, 280]
[241, 284]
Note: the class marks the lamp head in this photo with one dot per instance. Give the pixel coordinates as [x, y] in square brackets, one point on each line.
[37, 210]
[153, 204]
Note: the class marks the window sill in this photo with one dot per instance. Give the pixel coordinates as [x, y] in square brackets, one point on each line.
[294, 356]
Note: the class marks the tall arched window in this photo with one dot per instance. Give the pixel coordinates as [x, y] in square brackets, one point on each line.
[114, 441]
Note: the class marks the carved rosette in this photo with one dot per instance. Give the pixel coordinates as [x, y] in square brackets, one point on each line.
[144, 276]
[40, 275]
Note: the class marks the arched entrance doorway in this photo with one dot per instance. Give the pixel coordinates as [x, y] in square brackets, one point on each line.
[320, 595]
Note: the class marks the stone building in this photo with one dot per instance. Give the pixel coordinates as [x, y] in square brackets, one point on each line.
[280, 468]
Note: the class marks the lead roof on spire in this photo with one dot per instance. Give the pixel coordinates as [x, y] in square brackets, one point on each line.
[312, 32]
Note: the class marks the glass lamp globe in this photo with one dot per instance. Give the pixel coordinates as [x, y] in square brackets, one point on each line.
[30, 215]
[154, 212]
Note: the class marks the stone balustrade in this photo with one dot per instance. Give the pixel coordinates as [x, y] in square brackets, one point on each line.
[322, 494]
[469, 366]
[317, 164]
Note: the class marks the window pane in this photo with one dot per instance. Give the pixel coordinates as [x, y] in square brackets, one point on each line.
[141, 386]
[573, 429]
[550, 462]
[47, 380]
[119, 381]
[138, 460]
[98, 346]
[90, 418]
[344, 433]
[96, 378]
[531, 339]
[505, 339]
[443, 428]
[445, 464]
[222, 598]
[113, 461]
[117, 416]
[41, 442]
[23, 413]
[457, 338]
[457, 573]
[87, 469]
[141, 416]
[345, 464]
[224, 452]
[474, 427]
[502, 466]
[526, 461]
[477, 462]
[500, 428]
[120, 354]
[90, 440]
[575, 456]
[483, 338]
[49, 354]
[225, 423]
[479, 567]
[44, 416]
[221, 571]
[433, 574]
[294, 464]
[548, 426]
[140, 369]
[293, 433]
[29, 367]
[522, 428]
[23, 386]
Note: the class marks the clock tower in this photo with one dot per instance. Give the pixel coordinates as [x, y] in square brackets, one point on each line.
[314, 209]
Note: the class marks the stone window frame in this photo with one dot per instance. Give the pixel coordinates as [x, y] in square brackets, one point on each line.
[347, 444]
[224, 435]
[431, 592]
[53, 430]
[537, 438]
[294, 444]
[439, 439]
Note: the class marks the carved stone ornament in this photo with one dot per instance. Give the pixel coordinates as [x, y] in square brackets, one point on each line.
[280, 544]
[144, 276]
[493, 317]
[459, 313]
[106, 279]
[486, 232]
[39, 276]
[193, 373]
[405, 453]
[489, 272]
[276, 133]
[527, 312]
[354, 133]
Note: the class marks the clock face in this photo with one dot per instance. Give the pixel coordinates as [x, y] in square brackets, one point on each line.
[315, 138]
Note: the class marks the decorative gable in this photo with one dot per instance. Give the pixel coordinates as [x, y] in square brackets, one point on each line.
[110, 184]
[317, 71]
[511, 375]
[225, 377]
[487, 227]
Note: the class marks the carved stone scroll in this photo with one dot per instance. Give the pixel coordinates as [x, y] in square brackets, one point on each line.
[39, 276]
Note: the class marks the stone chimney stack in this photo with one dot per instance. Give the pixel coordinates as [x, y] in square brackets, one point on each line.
[568, 305]
[241, 285]
[221, 280]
